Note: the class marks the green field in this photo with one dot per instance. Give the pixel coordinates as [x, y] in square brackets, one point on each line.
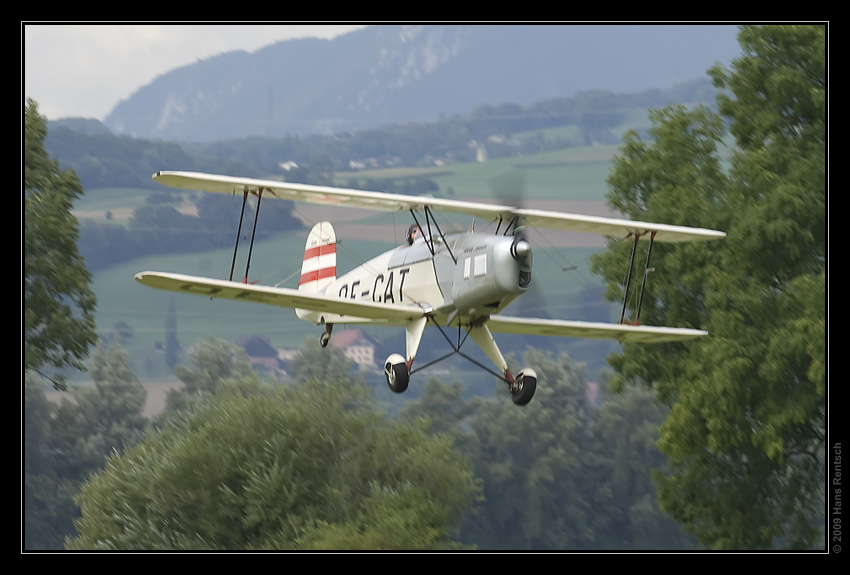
[571, 173]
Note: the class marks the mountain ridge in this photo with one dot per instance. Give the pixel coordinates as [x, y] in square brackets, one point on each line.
[398, 73]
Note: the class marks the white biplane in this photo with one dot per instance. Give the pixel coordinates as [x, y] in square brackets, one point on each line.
[461, 280]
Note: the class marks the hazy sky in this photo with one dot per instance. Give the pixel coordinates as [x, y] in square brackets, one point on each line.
[85, 70]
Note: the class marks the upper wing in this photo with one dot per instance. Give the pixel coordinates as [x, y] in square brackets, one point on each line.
[563, 328]
[615, 226]
[395, 202]
[283, 297]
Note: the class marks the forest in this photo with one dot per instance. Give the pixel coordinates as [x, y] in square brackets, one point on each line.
[715, 444]
[441, 472]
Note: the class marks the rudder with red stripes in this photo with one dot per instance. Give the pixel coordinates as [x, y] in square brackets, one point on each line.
[319, 267]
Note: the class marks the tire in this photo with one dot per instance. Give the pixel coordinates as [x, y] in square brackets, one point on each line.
[397, 377]
[523, 389]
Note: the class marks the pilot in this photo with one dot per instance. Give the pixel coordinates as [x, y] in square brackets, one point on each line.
[413, 233]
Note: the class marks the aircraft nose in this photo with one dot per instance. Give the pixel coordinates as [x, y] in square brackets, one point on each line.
[521, 250]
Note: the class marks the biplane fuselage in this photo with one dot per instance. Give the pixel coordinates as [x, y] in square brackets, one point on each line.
[485, 278]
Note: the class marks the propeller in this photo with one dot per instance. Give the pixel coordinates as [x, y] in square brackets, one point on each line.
[509, 189]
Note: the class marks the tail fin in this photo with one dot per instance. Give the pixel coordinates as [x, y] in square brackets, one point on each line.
[319, 268]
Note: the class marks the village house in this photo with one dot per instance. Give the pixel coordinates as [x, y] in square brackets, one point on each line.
[357, 346]
[260, 352]
[354, 344]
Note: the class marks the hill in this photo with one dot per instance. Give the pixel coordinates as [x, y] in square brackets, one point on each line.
[390, 74]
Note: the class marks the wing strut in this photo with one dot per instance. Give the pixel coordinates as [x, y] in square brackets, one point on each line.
[239, 233]
[253, 234]
[429, 217]
[646, 270]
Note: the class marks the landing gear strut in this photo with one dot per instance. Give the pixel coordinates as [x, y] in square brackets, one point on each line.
[397, 369]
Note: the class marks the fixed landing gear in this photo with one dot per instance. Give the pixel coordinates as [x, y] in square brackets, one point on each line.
[325, 338]
[397, 368]
[523, 386]
[397, 373]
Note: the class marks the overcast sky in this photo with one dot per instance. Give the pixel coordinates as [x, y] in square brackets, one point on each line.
[85, 70]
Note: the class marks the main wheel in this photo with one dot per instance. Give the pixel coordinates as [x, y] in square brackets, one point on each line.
[395, 368]
[325, 339]
[524, 386]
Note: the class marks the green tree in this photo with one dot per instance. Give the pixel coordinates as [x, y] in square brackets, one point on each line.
[536, 465]
[308, 466]
[213, 361]
[570, 475]
[389, 519]
[103, 417]
[443, 407]
[114, 408]
[59, 324]
[745, 433]
[48, 504]
[625, 436]
[66, 442]
[323, 364]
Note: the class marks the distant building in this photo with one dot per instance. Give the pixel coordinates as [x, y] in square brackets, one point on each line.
[260, 352]
[357, 346]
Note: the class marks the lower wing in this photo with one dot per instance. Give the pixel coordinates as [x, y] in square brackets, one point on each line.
[282, 297]
[285, 297]
[563, 328]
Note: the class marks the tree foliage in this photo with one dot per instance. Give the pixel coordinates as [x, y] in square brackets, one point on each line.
[307, 466]
[561, 472]
[64, 443]
[318, 363]
[47, 501]
[59, 312]
[745, 433]
[211, 363]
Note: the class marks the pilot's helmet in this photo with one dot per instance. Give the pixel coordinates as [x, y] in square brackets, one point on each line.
[411, 233]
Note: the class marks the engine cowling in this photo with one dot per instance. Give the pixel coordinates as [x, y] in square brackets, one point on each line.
[521, 252]
[491, 272]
